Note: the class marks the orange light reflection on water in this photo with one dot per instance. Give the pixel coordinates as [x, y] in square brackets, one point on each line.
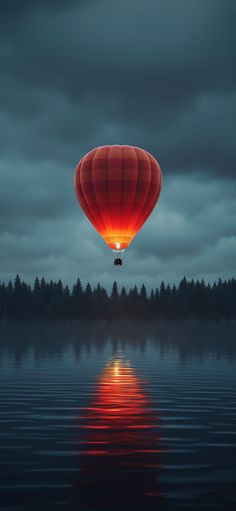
[120, 455]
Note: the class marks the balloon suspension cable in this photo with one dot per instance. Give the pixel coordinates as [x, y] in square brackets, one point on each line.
[118, 256]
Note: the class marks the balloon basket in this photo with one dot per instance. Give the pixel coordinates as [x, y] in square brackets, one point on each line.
[118, 262]
[118, 256]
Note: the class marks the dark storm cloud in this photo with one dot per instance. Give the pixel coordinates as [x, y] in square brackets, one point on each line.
[191, 217]
[12, 11]
[157, 72]
[77, 74]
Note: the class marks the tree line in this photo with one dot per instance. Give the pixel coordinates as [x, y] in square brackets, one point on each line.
[52, 301]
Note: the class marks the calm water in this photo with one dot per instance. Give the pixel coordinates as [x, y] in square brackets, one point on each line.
[118, 417]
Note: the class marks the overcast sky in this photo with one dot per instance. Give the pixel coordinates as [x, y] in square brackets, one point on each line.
[159, 74]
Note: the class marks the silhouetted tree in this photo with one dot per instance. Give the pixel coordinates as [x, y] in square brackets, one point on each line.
[114, 292]
[88, 303]
[77, 300]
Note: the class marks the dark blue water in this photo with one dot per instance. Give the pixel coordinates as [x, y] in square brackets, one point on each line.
[103, 417]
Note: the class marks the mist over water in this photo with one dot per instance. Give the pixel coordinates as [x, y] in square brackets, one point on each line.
[118, 416]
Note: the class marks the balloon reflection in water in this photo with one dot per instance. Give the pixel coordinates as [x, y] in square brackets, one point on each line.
[120, 458]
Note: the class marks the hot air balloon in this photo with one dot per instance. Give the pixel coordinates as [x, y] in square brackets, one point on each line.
[117, 187]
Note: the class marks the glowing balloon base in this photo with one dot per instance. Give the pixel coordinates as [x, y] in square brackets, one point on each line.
[118, 255]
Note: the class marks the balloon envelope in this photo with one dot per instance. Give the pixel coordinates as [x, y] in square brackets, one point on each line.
[117, 187]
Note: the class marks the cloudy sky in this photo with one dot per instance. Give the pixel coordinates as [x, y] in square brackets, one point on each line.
[159, 74]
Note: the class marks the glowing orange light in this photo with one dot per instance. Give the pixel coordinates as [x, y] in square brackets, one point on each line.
[120, 458]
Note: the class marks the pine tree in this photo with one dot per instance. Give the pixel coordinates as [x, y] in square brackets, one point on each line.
[3, 301]
[162, 300]
[77, 300]
[143, 293]
[114, 292]
[123, 293]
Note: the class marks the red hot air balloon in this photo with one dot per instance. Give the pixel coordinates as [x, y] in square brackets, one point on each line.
[117, 187]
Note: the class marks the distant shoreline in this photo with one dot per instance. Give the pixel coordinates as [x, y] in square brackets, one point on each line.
[50, 301]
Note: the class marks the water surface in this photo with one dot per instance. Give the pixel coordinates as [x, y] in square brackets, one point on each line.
[118, 416]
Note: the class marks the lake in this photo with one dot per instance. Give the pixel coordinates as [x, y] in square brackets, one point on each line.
[118, 416]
